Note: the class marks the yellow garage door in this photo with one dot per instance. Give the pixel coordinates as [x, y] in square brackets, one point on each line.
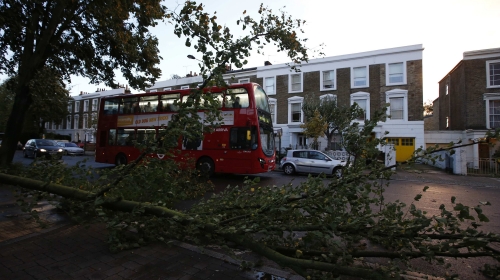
[404, 147]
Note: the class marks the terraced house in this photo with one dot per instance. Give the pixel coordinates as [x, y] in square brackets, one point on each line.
[371, 79]
[467, 107]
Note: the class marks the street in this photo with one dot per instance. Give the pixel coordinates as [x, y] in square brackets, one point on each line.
[404, 186]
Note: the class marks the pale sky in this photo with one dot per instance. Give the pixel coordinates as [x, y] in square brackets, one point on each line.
[446, 28]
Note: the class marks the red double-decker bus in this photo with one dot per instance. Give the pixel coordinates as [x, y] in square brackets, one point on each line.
[243, 144]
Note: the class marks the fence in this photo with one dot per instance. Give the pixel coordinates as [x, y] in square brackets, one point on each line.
[487, 166]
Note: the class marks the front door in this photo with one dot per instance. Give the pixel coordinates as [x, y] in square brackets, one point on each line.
[302, 142]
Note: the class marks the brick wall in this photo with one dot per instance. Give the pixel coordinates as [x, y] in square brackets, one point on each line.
[464, 104]
[377, 88]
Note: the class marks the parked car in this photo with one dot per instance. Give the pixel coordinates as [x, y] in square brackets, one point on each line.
[42, 148]
[80, 144]
[71, 149]
[311, 161]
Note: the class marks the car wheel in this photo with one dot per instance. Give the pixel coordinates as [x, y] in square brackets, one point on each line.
[120, 159]
[337, 172]
[25, 154]
[288, 169]
[206, 166]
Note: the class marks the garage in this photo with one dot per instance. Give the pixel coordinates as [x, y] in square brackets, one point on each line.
[404, 147]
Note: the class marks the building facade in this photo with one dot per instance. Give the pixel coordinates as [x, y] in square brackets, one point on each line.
[371, 79]
[469, 104]
[80, 123]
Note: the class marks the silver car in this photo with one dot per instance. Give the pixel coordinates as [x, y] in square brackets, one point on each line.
[311, 161]
[71, 149]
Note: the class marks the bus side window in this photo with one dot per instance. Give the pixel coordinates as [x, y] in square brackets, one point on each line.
[112, 137]
[125, 136]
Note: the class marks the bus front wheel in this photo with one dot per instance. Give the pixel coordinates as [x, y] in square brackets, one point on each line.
[206, 166]
[120, 159]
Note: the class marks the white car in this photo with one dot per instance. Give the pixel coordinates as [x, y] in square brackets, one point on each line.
[71, 148]
[311, 161]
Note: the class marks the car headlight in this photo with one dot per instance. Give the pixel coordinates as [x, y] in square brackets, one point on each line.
[43, 150]
[60, 150]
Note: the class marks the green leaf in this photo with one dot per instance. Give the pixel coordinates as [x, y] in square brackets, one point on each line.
[453, 199]
[483, 218]
[418, 197]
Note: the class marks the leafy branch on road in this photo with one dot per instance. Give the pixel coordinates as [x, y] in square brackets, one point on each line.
[320, 230]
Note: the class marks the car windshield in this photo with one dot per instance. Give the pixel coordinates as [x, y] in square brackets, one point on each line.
[45, 143]
[71, 145]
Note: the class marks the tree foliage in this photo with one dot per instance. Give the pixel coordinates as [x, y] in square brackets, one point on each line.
[315, 127]
[87, 38]
[94, 38]
[50, 100]
[335, 117]
[428, 108]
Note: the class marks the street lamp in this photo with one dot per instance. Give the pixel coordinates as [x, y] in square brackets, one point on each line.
[190, 56]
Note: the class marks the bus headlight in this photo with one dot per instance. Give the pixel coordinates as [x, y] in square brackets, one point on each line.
[262, 162]
[43, 150]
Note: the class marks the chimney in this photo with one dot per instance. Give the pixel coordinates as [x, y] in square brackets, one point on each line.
[195, 74]
[267, 63]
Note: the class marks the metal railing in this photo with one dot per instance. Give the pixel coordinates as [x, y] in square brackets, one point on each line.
[486, 166]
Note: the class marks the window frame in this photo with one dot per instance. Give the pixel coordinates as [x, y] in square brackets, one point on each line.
[243, 80]
[397, 93]
[487, 97]
[167, 88]
[387, 76]
[85, 119]
[488, 78]
[274, 85]
[290, 83]
[184, 87]
[321, 80]
[85, 105]
[76, 122]
[273, 101]
[70, 107]
[361, 95]
[295, 100]
[95, 104]
[367, 67]
[68, 121]
[77, 106]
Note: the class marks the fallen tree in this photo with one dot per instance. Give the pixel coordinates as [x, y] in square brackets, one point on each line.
[318, 229]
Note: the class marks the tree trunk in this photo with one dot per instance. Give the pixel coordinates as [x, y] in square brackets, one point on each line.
[22, 102]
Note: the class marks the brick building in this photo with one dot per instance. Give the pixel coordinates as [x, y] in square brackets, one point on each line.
[371, 79]
[469, 103]
[82, 110]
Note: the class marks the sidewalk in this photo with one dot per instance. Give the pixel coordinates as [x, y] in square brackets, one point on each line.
[427, 173]
[67, 251]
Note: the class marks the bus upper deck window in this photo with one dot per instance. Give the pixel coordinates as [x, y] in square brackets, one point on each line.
[168, 102]
[111, 106]
[236, 98]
